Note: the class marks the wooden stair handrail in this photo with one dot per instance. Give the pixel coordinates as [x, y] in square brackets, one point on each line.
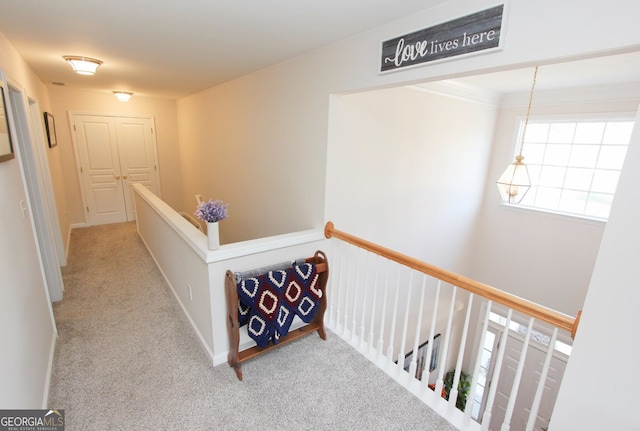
[532, 309]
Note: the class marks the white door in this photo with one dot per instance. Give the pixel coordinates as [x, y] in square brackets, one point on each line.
[137, 158]
[528, 386]
[114, 152]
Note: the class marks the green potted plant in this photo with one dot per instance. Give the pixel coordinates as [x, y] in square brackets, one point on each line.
[464, 386]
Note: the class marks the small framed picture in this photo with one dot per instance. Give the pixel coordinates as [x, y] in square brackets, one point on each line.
[6, 144]
[421, 360]
[50, 126]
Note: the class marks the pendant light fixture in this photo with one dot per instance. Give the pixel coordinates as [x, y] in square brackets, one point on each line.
[514, 183]
[83, 65]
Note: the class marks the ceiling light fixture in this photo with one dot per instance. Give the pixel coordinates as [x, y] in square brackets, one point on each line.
[123, 96]
[83, 65]
[515, 182]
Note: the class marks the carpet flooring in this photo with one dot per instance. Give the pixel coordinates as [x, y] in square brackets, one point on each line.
[127, 359]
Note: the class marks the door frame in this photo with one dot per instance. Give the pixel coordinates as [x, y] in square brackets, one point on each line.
[30, 152]
[76, 151]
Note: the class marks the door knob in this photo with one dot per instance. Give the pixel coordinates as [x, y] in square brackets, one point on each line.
[125, 176]
[117, 177]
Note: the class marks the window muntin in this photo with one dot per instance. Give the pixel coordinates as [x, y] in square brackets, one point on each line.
[575, 164]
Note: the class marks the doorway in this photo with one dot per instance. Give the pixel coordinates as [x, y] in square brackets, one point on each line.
[113, 152]
[531, 374]
[38, 182]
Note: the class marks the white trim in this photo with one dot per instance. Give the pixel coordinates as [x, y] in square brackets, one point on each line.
[553, 214]
[571, 96]
[461, 91]
[47, 383]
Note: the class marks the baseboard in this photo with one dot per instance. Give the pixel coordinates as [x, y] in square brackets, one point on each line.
[47, 383]
[220, 359]
[68, 242]
[71, 228]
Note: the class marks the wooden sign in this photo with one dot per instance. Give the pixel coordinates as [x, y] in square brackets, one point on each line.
[480, 31]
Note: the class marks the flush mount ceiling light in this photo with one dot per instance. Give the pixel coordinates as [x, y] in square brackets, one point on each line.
[123, 96]
[83, 65]
[514, 182]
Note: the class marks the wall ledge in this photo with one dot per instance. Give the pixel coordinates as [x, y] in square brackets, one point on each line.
[198, 241]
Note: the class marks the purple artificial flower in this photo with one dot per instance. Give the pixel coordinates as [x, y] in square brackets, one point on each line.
[211, 211]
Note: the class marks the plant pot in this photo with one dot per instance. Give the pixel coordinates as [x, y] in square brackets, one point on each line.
[213, 236]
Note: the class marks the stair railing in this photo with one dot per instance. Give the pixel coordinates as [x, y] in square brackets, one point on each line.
[373, 305]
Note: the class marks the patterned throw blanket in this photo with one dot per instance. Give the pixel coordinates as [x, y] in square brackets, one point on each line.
[269, 302]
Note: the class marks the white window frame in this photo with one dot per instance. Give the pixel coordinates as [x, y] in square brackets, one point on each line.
[579, 117]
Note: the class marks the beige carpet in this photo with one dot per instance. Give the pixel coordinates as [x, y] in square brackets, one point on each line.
[126, 359]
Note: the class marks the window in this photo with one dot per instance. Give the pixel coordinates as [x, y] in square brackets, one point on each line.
[574, 165]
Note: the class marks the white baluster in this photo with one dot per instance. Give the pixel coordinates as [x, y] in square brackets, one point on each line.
[502, 347]
[405, 327]
[416, 338]
[541, 384]
[453, 394]
[393, 321]
[356, 276]
[363, 302]
[432, 330]
[385, 301]
[513, 395]
[476, 368]
[344, 264]
[445, 350]
[374, 302]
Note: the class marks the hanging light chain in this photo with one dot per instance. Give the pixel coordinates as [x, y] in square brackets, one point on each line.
[526, 121]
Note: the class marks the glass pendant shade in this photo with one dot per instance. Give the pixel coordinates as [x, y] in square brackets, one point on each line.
[514, 183]
[83, 65]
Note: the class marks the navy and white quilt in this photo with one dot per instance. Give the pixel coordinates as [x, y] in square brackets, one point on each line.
[269, 302]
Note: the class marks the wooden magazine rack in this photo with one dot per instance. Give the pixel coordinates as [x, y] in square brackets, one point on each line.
[236, 357]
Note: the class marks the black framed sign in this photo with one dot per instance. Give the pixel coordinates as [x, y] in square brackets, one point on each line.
[473, 33]
[50, 126]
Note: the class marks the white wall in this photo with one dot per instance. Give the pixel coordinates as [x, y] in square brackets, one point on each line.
[600, 384]
[541, 257]
[407, 167]
[27, 330]
[257, 143]
[64, 100]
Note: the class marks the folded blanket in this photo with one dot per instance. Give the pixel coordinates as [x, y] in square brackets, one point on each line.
[268, 302]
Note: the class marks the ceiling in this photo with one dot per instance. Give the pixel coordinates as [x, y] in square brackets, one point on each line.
[170, 49]
[602, 71]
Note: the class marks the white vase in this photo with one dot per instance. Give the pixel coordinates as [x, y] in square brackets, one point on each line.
[213, 236]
